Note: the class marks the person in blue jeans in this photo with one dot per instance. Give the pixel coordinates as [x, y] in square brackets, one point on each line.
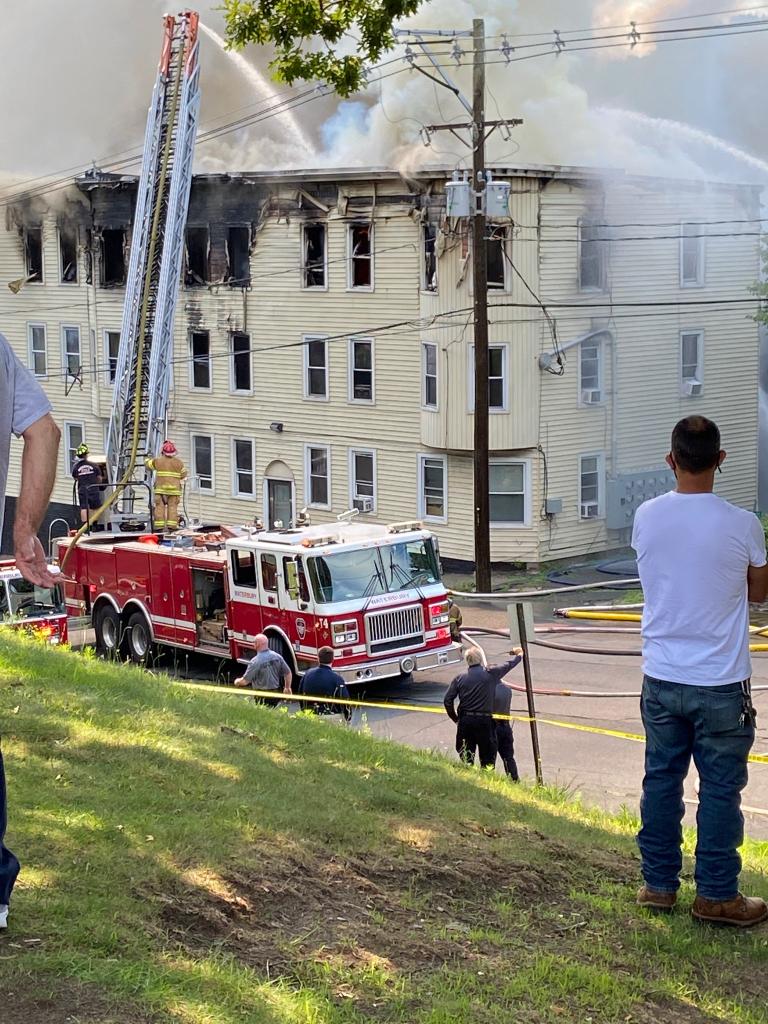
[700, 560]
[25, 412]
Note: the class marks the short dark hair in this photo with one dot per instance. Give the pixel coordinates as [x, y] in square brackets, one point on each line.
[696, 444]
[325, 656]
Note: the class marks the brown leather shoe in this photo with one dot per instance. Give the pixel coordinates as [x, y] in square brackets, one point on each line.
[656, 900]
[740, 912]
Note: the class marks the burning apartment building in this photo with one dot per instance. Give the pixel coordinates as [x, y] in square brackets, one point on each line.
[324, 344]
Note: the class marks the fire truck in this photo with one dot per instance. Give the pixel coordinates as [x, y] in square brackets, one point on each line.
[371, 592]
[25, 606]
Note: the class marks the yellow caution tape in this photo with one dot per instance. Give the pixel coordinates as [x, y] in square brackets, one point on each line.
[244, 691]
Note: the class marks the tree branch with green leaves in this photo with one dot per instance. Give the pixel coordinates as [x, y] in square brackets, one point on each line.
[308, 36]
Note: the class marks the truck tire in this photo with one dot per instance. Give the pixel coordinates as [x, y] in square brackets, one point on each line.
[138, 638]
[279, 646]
[106, 624]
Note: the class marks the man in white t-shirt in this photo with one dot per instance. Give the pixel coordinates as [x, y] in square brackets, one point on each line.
[700, 560]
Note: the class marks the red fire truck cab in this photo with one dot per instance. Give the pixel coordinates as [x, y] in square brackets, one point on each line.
[371, 592]
[33, 609]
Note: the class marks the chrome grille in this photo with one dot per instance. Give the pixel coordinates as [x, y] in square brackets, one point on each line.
[400, 627]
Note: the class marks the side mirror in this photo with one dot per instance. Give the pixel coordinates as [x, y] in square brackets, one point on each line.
[292, 580]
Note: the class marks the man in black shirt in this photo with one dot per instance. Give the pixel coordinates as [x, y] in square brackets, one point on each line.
[324, 682]
[502, 729]
[88, 477]
[476, 692]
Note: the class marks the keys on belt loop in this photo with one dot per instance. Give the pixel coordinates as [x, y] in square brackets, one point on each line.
[748, 713]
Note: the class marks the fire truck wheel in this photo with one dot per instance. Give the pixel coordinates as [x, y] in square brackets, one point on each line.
[138, 638]
[279, 646]
[108, 631]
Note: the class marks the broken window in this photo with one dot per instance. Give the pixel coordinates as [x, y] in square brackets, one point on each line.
[33, 253]
[429, 242]
[313, 243]
[112, 257]
[68, 255]
[197, 270]
[200, 349]
[360, 256]
[238, 255]
[241, 361]
[495, 253]
[71, 353]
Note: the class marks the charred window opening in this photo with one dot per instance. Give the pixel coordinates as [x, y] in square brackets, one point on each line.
[88, 256]
[197, 272]
[314, 255]
[429, 239]
[200, 350]
[361, 256]
[68, 255]
[33, 253]
[112, 257]
[238, 255]
[495, 248]
[241, 361]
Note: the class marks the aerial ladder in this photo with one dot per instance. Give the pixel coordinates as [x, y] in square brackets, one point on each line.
[143, 374]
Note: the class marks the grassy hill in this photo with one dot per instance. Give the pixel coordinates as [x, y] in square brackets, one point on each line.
[192, 858]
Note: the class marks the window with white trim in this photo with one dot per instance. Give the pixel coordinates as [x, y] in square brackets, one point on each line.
[591, 255]
[74, 436]
[202, 462]
[691, 363]
[111, 352]
[315, 368]
[691, 255]
[496, 256]
[317, 473]
[70, 348]
[591, 372]
[591, 486]
[429, 373]
[433, 474]
[200, 360]
[243, 467]
[362, 479]
[361, 382]
[508, 491]
[240, 363]
[360, 250]
[314, 254]
[429, 257]
[497, 378]
[38, 349]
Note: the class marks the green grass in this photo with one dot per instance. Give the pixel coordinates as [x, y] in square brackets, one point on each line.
[294, 872]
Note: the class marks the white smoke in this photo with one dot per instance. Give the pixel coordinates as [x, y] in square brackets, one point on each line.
[78, 77]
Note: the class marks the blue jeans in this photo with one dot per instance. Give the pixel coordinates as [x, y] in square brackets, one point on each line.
[703, 722]
[9, 866]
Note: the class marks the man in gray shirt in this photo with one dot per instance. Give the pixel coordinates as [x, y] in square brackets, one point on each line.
[25, 412]
[267, 670]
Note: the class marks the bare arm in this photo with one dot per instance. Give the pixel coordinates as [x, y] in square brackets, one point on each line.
[38, 473]
[287, 681]
[757, 583]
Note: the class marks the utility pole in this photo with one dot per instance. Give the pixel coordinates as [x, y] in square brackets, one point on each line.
[480, 283]
[475, 210]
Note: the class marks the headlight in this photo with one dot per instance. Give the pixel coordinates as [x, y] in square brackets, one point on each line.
[344, 632]
[438, 614]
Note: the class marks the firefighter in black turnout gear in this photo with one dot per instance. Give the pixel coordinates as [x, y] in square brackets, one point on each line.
[476, 692]
[88, 478]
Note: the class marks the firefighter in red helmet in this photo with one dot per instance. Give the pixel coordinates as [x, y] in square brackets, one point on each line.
[169, 472]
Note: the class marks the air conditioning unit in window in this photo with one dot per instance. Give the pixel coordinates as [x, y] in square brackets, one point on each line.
[363, 504]
[589, 510]
[591, 396]
[692, 387]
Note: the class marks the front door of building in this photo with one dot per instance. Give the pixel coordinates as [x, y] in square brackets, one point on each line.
[279, 503]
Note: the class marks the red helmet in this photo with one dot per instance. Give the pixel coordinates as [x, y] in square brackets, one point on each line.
[169, 448]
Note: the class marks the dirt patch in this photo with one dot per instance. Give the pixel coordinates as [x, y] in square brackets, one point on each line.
[65, 1002]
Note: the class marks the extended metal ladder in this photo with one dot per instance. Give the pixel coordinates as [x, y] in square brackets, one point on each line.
[143, 372]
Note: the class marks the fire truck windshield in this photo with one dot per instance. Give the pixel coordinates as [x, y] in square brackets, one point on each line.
[361, 573]
[25, 600]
